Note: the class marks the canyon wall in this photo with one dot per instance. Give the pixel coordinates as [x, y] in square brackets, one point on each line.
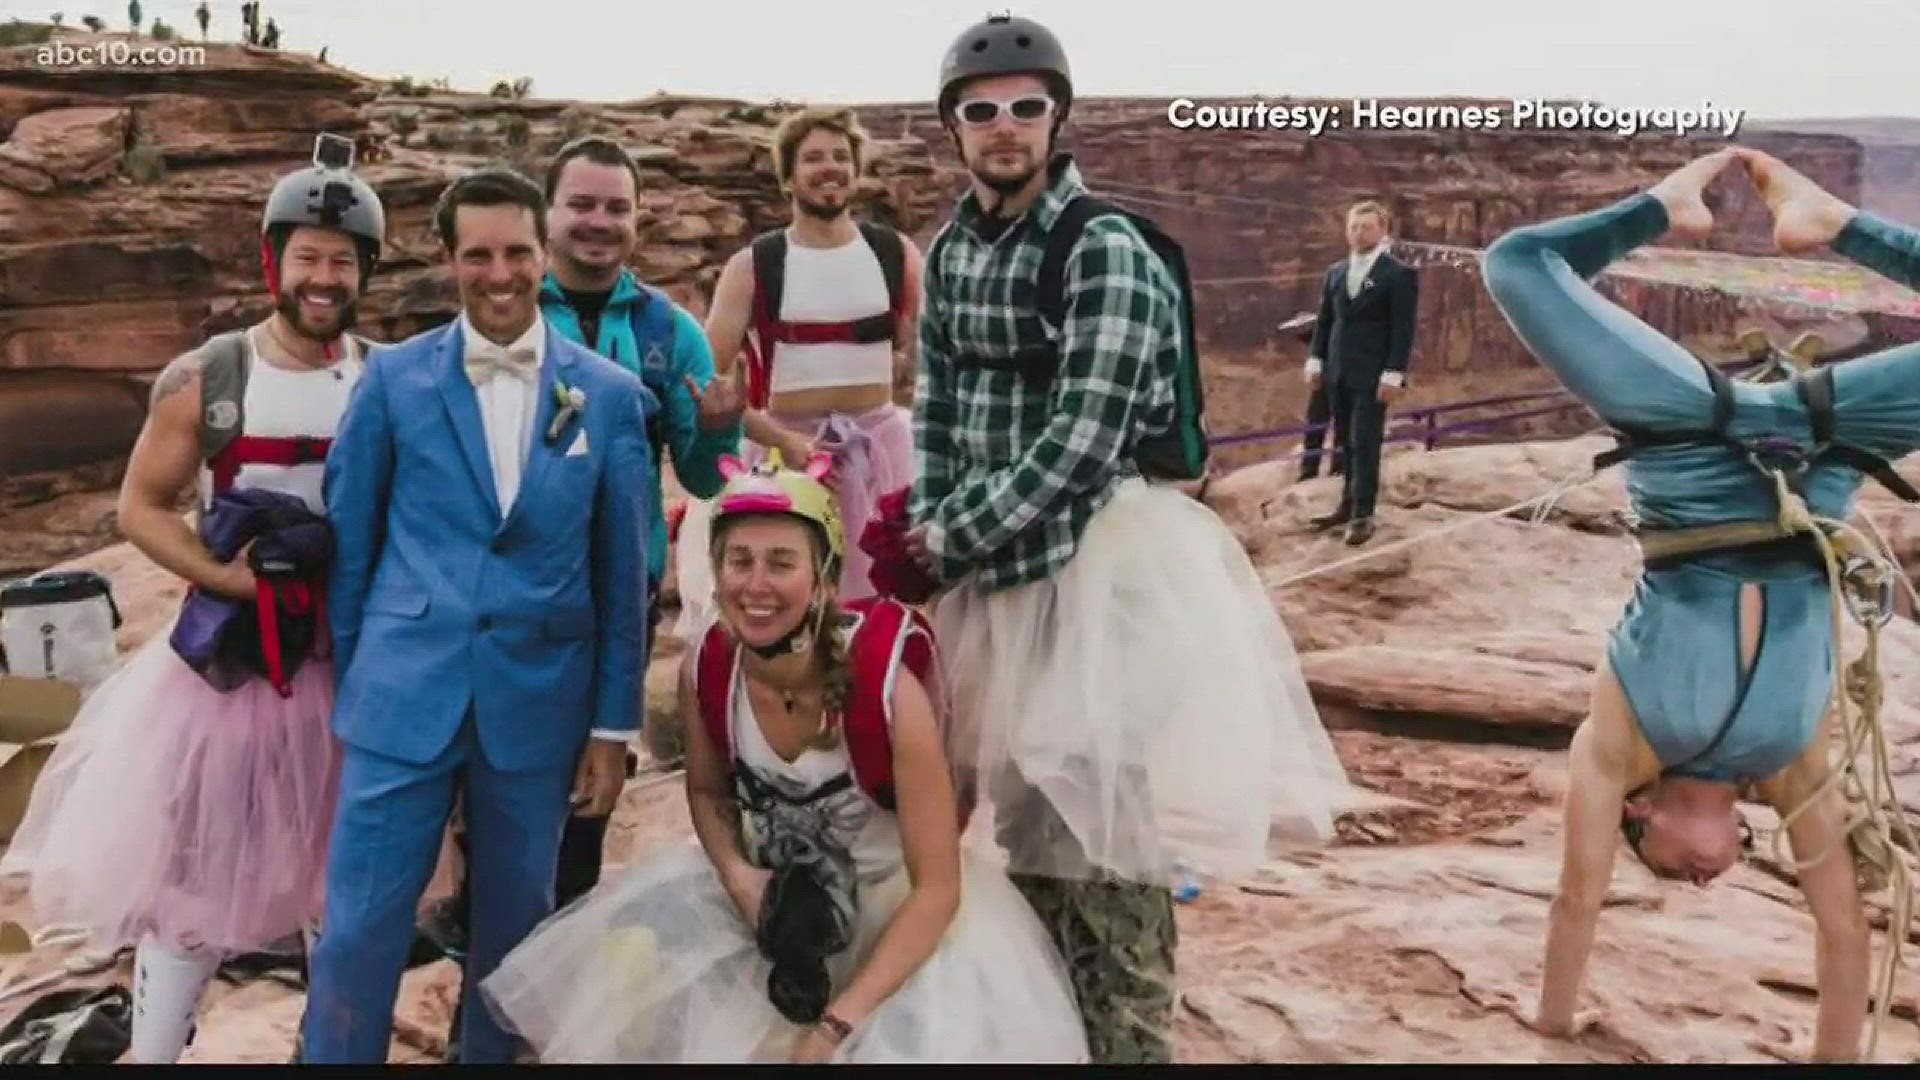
[130, 200]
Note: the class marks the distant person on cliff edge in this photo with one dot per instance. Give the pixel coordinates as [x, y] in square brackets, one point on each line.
[182, 813]
[1321, 427]
[1720, 674]
[591, 296]
[1124, 694]
[1361, 342]
[816, 321]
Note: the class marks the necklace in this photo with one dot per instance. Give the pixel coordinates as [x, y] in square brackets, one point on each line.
[273, 331]
[786, 699]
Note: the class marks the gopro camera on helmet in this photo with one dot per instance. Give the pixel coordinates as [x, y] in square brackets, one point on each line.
[332, 151]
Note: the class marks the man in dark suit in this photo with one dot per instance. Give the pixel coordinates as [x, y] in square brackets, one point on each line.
[1319, 413]
[1361, 341]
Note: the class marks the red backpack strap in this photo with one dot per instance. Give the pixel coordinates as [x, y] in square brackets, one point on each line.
[892, 255]
[889, 634]
[713, 661]
[769, 280]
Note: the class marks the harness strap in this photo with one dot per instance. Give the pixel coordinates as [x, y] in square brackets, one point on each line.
[1633, 438]
[1658, 544]
[265, 450]
[862, 331]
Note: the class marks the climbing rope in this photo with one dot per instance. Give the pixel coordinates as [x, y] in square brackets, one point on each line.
[1860, 577]
[1542, 505]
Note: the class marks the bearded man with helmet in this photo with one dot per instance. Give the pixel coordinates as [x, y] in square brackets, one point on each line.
[186, 811]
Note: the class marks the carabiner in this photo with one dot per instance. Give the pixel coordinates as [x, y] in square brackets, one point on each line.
[1866, 584]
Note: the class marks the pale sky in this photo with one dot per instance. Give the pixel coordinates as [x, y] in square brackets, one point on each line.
[1772, 58]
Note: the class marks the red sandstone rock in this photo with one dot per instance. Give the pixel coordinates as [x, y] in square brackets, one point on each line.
[63, 148]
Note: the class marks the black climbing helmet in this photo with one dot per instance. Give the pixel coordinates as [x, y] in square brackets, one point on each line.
[325, 194]
[1006, 45]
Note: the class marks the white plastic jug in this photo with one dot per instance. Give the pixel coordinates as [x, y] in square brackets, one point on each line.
[59, 625]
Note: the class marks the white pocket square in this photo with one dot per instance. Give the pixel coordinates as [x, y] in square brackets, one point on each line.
[579, 446]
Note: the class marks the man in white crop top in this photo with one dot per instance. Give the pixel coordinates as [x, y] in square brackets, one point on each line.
[825, 310]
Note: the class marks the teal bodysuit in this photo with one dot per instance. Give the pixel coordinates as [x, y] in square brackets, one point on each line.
[1676, 648]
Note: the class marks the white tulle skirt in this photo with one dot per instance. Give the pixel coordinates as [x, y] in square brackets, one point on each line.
[1142, 712]
[658, 966]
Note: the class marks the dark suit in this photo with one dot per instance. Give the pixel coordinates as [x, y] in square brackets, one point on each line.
[1358, 338]
[1320, 412]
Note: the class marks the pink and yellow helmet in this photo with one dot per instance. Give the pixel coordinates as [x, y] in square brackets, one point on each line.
[772, 488]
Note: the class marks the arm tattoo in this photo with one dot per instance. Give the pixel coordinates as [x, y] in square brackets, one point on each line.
[177, 375]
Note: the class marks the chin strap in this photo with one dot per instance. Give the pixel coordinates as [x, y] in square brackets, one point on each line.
[799, 639]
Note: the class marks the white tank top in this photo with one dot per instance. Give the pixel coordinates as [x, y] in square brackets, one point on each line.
[838, 284]
[290, 404]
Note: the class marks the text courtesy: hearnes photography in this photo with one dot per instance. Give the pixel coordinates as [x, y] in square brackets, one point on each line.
[119, 54]
[1529, 114]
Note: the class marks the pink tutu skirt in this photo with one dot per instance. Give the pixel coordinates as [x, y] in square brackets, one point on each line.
[170, 808]
[873, 452]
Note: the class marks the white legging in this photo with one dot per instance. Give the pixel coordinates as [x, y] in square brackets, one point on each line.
[167, 986]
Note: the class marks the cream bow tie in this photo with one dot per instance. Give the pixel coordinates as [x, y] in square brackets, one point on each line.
[484, 361]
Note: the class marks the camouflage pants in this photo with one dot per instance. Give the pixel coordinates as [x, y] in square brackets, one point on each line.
[1118, 939]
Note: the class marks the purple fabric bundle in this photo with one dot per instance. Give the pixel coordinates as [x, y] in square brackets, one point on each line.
[227, 640]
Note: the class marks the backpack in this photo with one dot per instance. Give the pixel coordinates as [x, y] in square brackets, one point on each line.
[1815, 389]
[82, 1026]
[769, 281]
[885, 633]
[223, 393]
[653, 332]
[1180, 452]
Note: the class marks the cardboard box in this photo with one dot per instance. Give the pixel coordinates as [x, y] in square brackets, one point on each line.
[35, 709]
[17, 777]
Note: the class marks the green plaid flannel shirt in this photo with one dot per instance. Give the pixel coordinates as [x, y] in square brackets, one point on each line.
[1009, 474]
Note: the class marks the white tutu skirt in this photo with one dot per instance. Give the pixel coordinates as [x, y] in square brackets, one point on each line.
[1142, 713]
[658, 966]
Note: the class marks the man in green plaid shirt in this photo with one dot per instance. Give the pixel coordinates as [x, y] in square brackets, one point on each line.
[1014, 469]
[1119, 686]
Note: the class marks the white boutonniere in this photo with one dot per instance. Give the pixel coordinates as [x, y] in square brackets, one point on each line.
[571, 401]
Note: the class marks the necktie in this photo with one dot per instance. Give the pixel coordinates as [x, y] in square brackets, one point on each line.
[485, 361]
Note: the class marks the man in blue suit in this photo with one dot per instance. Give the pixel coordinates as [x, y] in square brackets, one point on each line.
[489, 490]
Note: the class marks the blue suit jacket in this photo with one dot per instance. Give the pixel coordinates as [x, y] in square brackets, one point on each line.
[537, 622]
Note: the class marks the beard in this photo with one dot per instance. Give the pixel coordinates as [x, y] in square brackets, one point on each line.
[345, 313]
[821, 211]
[1001, 183]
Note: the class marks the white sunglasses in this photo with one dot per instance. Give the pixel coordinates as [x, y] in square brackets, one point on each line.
[980, 112]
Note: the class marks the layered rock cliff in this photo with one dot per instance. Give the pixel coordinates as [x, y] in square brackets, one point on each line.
[129, 202]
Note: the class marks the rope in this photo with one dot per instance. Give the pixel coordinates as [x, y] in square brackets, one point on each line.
[1542, 504]
[1875, 836]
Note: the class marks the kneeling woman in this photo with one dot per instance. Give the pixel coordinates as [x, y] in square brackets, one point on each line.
[822, 918]
[1721, 667]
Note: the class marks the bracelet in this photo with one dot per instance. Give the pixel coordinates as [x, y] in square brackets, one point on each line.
[836, 1028]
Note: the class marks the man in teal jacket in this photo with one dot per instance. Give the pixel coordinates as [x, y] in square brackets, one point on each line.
[590, 296]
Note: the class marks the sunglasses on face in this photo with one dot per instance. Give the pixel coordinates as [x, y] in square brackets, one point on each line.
[1025, 110]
